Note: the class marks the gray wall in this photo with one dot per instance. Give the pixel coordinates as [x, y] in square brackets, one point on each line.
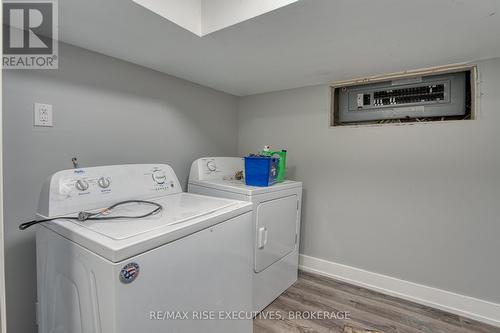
[105, 112]
[419, 203]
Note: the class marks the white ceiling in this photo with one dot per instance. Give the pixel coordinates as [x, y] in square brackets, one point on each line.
[203, 17]
[305, 43]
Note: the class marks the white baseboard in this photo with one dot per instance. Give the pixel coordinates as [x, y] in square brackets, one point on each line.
[473, 308]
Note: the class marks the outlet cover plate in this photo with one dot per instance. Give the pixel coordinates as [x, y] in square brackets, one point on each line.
[42, 115]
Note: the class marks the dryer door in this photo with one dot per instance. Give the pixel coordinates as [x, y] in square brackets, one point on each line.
[276, 230]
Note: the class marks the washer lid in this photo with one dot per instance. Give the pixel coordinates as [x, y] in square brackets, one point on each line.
[239, 186]
[182, 214]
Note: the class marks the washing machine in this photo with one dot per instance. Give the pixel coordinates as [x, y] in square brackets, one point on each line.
[182, 269]
[276, 222]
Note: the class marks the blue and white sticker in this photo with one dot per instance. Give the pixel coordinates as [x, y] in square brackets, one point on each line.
[129, 272]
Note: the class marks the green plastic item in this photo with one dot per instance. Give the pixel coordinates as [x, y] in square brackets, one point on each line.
[282, 164]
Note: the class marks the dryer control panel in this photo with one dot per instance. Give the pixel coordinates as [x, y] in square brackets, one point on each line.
[212, 168]
[74, 190]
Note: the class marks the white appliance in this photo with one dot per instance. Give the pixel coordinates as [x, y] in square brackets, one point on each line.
[276, 222]
[192, 260]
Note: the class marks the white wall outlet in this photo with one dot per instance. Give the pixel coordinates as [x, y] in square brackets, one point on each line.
[42, 115]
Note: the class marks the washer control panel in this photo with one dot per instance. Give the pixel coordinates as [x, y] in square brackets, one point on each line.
[83, 182]
[74, 190]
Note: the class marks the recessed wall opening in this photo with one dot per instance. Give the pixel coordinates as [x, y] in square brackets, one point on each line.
[431, 95]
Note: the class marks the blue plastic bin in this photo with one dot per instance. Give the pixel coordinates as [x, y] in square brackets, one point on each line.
[261, 170]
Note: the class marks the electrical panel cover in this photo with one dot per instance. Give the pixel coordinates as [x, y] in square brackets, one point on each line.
[427, 96]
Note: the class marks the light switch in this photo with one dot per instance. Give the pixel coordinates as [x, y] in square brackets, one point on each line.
[42, 115]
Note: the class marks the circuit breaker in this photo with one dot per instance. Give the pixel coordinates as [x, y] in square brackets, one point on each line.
[421, 97]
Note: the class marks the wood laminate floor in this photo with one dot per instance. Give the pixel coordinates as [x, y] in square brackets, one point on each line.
[369, 311]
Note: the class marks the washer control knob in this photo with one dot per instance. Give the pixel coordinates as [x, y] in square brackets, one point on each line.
[159, 177]
[82, 185]
[103, 182]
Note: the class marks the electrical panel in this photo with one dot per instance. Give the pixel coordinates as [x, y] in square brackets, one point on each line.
[421, 97]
